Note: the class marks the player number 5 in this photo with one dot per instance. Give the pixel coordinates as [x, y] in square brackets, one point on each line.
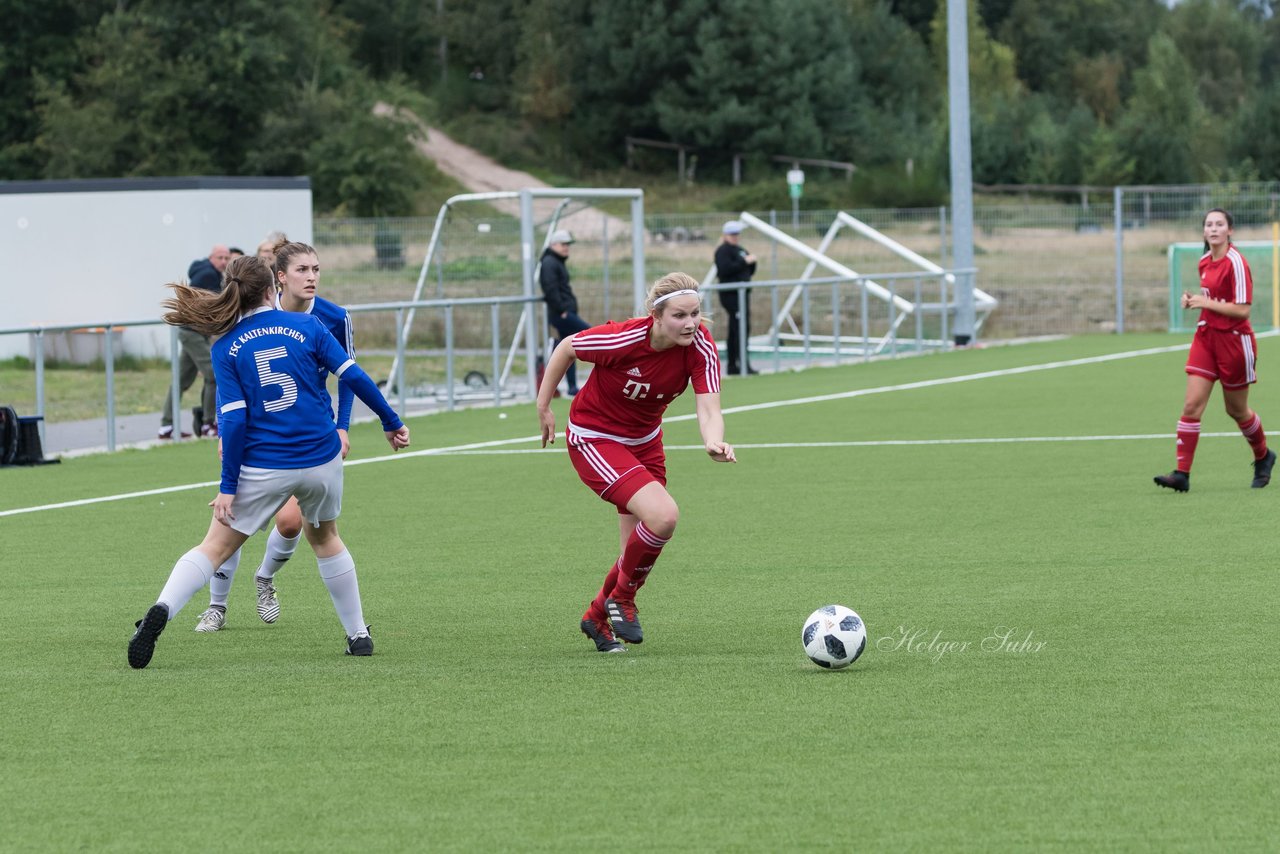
[268, 377]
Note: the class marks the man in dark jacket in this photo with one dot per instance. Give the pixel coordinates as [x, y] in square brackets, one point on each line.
[735, 264]
[194, 358]
[562, 305]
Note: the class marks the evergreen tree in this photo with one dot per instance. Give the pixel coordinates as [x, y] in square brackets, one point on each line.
[902, 118]
[40, 42]
[1163, 117]
[768, 77]
[1224, 48]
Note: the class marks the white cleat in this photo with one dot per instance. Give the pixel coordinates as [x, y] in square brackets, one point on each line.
[268, 604]
[211, 620]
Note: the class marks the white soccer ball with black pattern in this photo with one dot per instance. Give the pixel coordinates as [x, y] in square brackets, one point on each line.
[834, 636]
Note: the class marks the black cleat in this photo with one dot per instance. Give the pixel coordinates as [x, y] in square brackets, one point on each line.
[1262, 469]
[602, 635]
[360, 645]
[625, 619]
[143, 643]
[1178, 481]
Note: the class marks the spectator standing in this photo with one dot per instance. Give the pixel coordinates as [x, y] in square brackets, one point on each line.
[194, 358]
[735, 264]
[562, 304]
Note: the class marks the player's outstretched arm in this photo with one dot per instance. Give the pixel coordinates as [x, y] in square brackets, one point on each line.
[711, 425]
[557, 367]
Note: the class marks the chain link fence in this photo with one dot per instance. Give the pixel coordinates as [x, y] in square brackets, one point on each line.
[1057, 267]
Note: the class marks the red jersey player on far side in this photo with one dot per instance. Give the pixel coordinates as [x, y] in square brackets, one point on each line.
[1224, 350]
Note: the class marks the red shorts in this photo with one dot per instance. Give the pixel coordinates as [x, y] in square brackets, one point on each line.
[1223, 355]
[614, 471]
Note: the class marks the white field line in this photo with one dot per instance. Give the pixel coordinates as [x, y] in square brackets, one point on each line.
[493, 446]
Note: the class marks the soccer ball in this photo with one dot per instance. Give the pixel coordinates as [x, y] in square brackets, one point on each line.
[834, 637]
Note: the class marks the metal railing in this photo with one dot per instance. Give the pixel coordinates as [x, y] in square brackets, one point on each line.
[840, 319]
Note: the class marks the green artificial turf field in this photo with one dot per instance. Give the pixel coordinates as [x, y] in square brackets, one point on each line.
[1061, 655]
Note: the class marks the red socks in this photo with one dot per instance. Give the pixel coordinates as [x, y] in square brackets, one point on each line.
[642, 551]
[1188, 437]
[630, 571]
[1253, 433]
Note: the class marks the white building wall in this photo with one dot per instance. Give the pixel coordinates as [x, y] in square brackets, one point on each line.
[95, 252]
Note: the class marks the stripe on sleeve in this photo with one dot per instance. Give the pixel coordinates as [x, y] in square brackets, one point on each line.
[1240, 275]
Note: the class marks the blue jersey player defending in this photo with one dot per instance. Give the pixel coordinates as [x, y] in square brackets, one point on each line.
[297, 274]
[278, 441]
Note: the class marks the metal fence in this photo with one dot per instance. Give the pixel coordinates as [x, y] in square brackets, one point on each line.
[1085, 262]
[471, 350]
[1064, 264]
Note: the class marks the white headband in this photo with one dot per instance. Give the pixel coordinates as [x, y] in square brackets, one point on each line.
[675, 294]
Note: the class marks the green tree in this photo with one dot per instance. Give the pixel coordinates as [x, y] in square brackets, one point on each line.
[629, 49]
[1050, 37]
[790, 87]
[1105, 159]
[394, 37]
[901, 86]
[179, 88]
[484, 34]
[1223, 46]
[1163, 117]
[40, 43]
[1255, 132]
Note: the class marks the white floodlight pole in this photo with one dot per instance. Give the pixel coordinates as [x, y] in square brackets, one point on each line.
[961, 165]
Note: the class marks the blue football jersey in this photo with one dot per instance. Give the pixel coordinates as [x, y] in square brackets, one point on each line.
[273, 413]
[338, 321]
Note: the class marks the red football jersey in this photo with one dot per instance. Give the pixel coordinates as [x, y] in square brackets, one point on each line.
[631, 384]
[1228, 280]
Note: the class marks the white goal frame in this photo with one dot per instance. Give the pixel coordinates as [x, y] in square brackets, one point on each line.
[527, 327]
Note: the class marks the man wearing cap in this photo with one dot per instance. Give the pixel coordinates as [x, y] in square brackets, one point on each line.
[194, 358]
[562, 305]
[735, 264]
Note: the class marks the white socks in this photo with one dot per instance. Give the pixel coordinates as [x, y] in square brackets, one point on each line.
[279, 550]
[192, 572]
[339, 574]
[220, 584]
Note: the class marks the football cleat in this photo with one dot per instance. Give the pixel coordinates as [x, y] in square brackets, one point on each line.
[361, 644]
[1262, 469]
[625, 619]
[268, 604]
[602, 636]
[143, 643]
[213, 619]
[1178, 481]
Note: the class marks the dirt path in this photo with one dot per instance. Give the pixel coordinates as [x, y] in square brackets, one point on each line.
[481, 174]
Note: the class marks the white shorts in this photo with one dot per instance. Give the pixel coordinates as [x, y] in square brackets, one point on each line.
[262, 492]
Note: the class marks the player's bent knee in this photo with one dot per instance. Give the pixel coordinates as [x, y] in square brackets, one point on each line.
[664, 521]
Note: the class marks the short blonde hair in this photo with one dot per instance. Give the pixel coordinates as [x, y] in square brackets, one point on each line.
[669, 284]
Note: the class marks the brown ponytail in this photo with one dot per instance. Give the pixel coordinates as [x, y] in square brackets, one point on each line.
[245, 283]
